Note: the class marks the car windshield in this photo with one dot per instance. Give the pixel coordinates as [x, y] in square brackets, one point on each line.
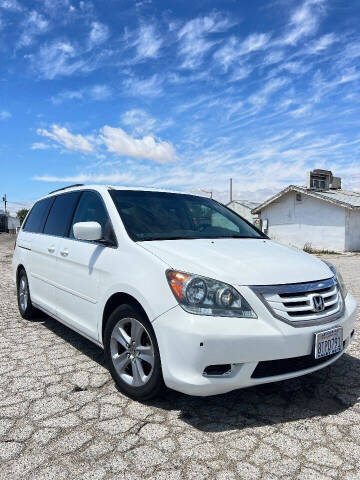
[149, 215]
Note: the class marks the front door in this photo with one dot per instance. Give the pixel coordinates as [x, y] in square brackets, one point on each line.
[81, 268]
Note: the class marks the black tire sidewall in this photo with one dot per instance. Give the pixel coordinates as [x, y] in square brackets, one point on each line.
[154, 386]
[28, 312]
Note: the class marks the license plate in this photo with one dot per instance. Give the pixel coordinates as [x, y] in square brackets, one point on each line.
[328, 342]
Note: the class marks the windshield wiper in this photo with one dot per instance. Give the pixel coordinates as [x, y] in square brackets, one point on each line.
[238, 236]
[150, 239]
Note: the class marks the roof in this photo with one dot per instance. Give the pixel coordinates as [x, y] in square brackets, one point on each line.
[102, 188]
[245, 203]
[341, 198]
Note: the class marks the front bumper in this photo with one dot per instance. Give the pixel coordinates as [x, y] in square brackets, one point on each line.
[189, 343]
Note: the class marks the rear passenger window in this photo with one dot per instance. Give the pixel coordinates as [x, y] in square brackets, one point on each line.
[36, 218]
[61, 214]
[92, 209]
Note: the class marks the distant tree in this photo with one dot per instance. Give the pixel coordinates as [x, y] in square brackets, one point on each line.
[21, 214]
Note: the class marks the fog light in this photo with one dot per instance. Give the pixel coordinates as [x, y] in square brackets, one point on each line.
[217, 370]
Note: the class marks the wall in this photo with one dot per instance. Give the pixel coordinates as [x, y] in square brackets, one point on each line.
[3, 222]
[242, 210]
[352, 240]
[311, 221]
[13, 223]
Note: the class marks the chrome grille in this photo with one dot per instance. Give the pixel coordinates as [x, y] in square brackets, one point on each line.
[296, 303]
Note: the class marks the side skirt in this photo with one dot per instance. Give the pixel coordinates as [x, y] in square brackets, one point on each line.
[56, 317]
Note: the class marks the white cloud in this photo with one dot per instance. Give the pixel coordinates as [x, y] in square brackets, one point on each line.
[147, 42]
[56, 58]
[64, 58]
[322, 43]
[67, 95]
[240, 73]
[119, 142]
[148, 87]
[97, 92]
[192, 37]
[274, 57]
[296, 68]
[14, 207]
[255, 41]
[349, 75]
[304, 21]
[34, 24]
[4, 115]
[260, 98]
[234, 48]
[62, 136]
[301, 111]
[12, 5]
[139, 121]
[116, 140]
[352, 50]
[108, 178]
[99, 33]
[40, 146]
[100, 92]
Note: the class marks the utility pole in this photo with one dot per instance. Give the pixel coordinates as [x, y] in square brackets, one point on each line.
[230, 189]
[4, 200]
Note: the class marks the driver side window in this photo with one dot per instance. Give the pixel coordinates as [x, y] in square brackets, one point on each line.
[91, 209]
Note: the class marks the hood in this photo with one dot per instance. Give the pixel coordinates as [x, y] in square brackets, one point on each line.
[240, 261]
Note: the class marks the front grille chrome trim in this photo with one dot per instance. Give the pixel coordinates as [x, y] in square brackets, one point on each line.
[278, 299]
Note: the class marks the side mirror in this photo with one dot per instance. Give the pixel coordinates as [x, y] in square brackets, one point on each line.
[87, 231]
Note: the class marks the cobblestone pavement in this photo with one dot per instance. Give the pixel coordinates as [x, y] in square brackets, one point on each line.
[61, 416]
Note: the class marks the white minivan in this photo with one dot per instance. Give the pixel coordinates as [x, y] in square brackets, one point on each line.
[179, 290]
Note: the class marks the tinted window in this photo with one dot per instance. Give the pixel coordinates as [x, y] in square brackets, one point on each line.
[36, 218]
[61, 214]
[171, 216]
[91, 209]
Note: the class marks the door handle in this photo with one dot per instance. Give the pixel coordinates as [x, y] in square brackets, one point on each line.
[51, 249]
[64, 252]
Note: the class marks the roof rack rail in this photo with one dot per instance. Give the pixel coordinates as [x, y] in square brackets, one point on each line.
[69, 186]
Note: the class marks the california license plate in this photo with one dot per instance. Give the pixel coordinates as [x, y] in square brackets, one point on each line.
[328, 342]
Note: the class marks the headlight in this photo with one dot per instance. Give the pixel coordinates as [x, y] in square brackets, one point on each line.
[339, 278]
[205, 296]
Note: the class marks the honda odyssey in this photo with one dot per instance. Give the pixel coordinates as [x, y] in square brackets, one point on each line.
[179, 290]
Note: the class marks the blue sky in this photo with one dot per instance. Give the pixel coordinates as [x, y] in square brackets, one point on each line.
[177, 95]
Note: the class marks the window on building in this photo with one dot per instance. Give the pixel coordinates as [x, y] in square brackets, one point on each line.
[298, 197]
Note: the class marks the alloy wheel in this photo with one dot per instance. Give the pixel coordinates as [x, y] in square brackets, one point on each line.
[23, 293]
[132, 352]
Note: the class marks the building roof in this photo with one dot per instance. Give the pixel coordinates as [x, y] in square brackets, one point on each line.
[246, 203]
[341, 198]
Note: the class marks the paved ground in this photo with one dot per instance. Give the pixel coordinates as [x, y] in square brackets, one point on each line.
[62, 418]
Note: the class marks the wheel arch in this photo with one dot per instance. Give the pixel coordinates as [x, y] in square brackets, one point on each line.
[117, 299]
[18, 269]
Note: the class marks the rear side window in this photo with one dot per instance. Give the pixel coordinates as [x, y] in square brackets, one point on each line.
[61, 213]
[36, 218]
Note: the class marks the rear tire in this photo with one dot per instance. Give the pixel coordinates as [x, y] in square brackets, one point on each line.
[26, 308]
[132, 353]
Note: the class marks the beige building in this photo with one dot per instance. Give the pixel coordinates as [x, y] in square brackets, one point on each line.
[244, 209]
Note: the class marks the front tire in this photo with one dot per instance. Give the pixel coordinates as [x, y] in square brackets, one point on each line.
[132, 353]
[26, 308]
